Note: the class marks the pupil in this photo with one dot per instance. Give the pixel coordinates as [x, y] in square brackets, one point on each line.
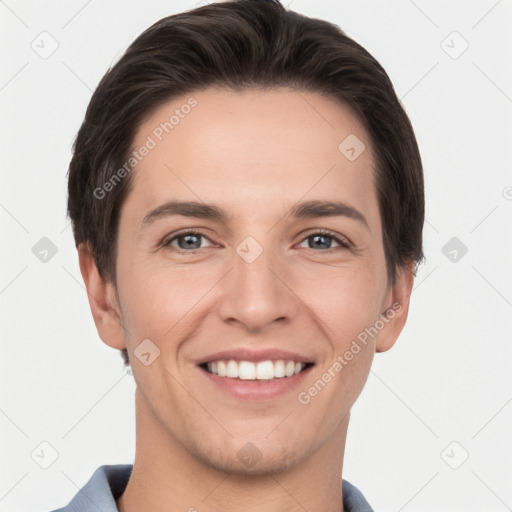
[320, 237]
[189, 243]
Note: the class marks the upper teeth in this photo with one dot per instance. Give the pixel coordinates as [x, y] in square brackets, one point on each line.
[247, 370]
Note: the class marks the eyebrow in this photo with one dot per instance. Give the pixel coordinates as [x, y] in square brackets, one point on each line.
[304, 210]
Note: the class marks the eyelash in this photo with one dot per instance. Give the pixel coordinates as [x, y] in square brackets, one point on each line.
[343, 242]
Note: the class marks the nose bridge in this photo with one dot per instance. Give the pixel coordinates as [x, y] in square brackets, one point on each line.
[257, 295]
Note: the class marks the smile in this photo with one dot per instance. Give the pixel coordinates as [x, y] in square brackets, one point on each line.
[249, 370]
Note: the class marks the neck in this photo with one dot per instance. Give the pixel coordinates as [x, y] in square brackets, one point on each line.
[166, 476]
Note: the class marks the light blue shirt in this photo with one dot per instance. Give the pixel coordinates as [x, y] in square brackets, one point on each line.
[109, 482]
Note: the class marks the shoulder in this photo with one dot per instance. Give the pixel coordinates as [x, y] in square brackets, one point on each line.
[106, 484]
[353, 499]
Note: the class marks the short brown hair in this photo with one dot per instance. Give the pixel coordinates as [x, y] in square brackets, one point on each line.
[239, 44]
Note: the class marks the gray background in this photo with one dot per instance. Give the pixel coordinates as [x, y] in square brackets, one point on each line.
[442, 394]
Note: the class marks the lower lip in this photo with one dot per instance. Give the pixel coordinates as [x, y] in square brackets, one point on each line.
[256, 389]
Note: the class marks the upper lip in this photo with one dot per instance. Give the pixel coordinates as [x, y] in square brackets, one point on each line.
[243, 354]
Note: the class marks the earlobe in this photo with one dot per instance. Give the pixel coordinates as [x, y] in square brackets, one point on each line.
[397, 309]
[101, 296]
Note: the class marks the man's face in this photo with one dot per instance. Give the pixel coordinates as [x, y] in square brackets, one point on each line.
[258, 285]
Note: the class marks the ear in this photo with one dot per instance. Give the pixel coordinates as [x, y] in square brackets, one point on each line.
[396, 308]
[102, 300]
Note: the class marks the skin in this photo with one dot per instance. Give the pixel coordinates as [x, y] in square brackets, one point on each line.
[255, 154]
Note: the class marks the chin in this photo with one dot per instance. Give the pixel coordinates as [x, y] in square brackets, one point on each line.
[250, 460]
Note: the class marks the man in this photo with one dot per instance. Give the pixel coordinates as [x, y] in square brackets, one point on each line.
[246, 194]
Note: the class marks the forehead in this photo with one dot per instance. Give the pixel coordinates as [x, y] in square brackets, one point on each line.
[242, 148]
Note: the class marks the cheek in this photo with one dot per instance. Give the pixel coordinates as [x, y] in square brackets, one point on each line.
[157, 297]
[347, 309]
[346, 301]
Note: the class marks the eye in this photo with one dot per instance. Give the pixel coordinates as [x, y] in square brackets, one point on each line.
[188, 241]
[320, 240]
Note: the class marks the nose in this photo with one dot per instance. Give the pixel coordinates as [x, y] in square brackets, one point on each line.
[258, 293]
